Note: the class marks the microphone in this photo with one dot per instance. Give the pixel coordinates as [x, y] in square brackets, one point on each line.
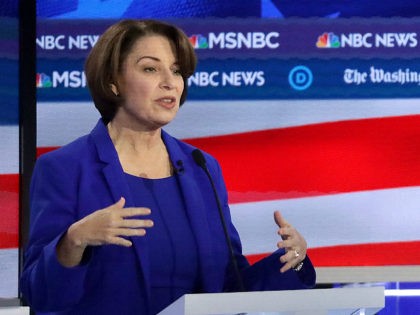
[200, 160]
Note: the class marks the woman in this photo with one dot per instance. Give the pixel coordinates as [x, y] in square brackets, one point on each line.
[123, 221]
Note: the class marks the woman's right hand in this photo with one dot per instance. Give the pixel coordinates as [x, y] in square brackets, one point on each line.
[105, 226]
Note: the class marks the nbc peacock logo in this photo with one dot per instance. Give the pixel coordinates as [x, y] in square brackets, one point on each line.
[199, 41]
[328, 40]
[43, 80]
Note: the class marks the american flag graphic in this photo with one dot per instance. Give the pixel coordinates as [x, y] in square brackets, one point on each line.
[346, 173]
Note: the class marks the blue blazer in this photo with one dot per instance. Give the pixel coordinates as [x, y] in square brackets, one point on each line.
[84, 176]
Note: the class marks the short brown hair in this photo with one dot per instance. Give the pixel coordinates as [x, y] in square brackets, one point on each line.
[105, 60]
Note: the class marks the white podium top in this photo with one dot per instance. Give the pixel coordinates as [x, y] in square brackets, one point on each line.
[341, 301]
[14, 310]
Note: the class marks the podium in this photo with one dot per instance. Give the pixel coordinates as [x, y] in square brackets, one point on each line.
[340, 301]
[10, 306]
[14, 310]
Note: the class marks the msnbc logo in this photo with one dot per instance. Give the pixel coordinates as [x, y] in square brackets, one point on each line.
[199, 41]
[232, 40]
[328, 40]
[43, 80]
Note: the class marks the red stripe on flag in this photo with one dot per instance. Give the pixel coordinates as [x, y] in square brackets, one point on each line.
[9, 183]
[378, 254]
[43, 150]
[319, 159]
[9, 209]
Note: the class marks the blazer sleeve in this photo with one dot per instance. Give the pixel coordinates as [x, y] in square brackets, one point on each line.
[265, 274]
[45, 283]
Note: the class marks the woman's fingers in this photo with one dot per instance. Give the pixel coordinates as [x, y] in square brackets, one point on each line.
[133, 223]
[128, 232]
[133, 211]
[115, 240]
[111, 224]
[293, 243]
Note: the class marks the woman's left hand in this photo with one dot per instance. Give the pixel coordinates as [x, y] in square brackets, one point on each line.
[292, 241]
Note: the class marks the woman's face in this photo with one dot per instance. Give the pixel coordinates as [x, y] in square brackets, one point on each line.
[150, 84]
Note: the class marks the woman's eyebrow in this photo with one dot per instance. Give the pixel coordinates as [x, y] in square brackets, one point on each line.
[147, 57]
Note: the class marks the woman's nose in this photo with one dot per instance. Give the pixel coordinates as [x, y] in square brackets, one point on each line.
[166, 85]
[168, 80]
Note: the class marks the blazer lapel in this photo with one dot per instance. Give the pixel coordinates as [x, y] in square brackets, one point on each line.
[196, 211]
[118, 186]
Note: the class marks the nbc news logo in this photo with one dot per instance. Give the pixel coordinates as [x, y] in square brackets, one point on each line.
[367, 40]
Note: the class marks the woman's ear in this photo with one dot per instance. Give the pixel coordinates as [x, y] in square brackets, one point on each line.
[114, 89]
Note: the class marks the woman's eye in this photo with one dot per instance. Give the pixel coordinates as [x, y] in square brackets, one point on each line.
[177, 71]
[149, 69]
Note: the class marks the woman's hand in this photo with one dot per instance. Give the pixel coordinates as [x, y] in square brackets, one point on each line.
[105, 226]
[109, 226]
[292, 241]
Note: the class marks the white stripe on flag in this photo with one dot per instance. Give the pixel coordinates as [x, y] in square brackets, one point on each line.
[389, 215]
[9, 149]
[60, 123]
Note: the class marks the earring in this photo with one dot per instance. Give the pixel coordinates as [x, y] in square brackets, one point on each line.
[114, 89]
